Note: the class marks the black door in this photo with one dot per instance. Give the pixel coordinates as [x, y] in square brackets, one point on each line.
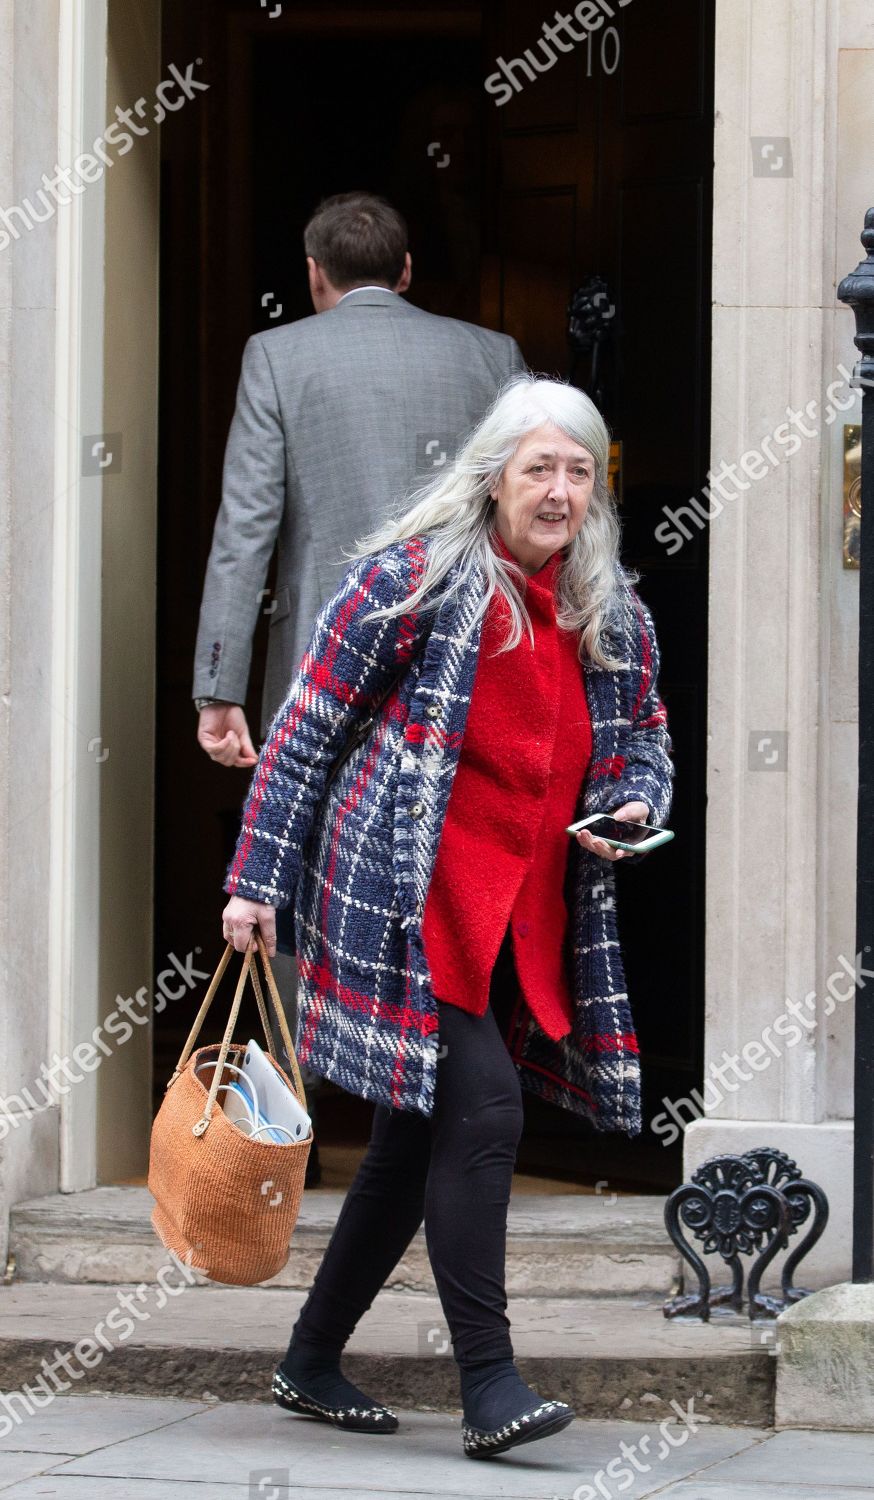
[601, 166]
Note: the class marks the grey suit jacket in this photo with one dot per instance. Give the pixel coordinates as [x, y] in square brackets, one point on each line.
[336, 416]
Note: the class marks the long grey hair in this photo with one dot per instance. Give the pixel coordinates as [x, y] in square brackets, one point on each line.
[455, 515]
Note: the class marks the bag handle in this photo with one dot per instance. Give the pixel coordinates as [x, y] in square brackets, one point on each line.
[248, 967]
[200, 1126]
[201, 1015]
[262, 1011]
[280, 1015]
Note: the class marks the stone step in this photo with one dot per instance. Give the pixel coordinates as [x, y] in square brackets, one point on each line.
[558, 1245]
[610, 1357]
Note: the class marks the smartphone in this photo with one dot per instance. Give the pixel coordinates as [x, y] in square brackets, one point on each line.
[636, 837]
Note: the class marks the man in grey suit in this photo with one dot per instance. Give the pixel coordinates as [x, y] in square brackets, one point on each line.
[336, 415]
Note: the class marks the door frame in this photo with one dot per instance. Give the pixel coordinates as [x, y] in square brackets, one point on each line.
[74, 920]
[102, 744]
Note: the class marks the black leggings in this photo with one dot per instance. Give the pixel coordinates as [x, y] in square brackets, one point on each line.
[453, 1169]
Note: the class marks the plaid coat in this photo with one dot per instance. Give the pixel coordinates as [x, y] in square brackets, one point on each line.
[357, 862]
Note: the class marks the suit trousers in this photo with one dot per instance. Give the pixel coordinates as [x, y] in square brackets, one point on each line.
[453, 1169]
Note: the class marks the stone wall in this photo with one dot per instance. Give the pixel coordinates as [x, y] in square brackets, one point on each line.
[29, 1152]
[790, 197]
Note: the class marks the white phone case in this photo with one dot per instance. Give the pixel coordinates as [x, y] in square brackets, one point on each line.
[659, 835]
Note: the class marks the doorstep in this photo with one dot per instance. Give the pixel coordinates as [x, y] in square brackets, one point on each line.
[610, 1357]
[560, 1245]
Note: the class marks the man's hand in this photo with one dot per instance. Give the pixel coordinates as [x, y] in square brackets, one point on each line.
[630, 812]
[223, 733]
[241, 916]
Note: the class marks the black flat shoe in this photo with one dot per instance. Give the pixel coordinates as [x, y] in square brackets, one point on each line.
[354, 1418]
[541, 1421]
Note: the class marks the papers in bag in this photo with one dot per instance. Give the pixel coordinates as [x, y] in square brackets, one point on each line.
[276, 1100]
[259, 1101]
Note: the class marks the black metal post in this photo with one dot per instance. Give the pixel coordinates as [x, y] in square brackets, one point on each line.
[857, 290]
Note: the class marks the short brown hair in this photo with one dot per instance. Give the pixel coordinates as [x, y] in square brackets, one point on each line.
[358, 238]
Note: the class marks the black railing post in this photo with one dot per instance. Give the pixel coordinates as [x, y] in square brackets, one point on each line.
[857, 290]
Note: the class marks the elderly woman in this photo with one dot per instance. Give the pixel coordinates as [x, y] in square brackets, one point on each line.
[454, 943]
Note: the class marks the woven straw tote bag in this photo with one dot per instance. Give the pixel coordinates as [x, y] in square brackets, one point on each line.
[224, 1203]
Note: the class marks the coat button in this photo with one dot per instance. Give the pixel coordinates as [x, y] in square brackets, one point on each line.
[416, 809]
[433, 710]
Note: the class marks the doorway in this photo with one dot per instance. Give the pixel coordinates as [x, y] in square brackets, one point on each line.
[601, 166]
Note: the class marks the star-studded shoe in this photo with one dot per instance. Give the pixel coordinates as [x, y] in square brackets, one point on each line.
[353, 1418]
[541, 1421]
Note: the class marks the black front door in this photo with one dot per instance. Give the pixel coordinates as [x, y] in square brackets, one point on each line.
[600, 175]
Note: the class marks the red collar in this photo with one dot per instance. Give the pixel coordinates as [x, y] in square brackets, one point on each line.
[545, 576]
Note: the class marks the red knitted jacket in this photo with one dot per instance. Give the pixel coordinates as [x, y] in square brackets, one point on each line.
[503, 852]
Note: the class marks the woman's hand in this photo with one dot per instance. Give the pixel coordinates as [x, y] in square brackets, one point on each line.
[630, 812]
[240, 917]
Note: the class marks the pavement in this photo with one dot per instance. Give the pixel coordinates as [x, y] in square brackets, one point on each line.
[104, 1447]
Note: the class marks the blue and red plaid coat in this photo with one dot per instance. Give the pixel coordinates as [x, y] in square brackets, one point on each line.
[357, 862]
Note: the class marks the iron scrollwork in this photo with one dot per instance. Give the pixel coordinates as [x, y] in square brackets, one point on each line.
[741, 1206]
